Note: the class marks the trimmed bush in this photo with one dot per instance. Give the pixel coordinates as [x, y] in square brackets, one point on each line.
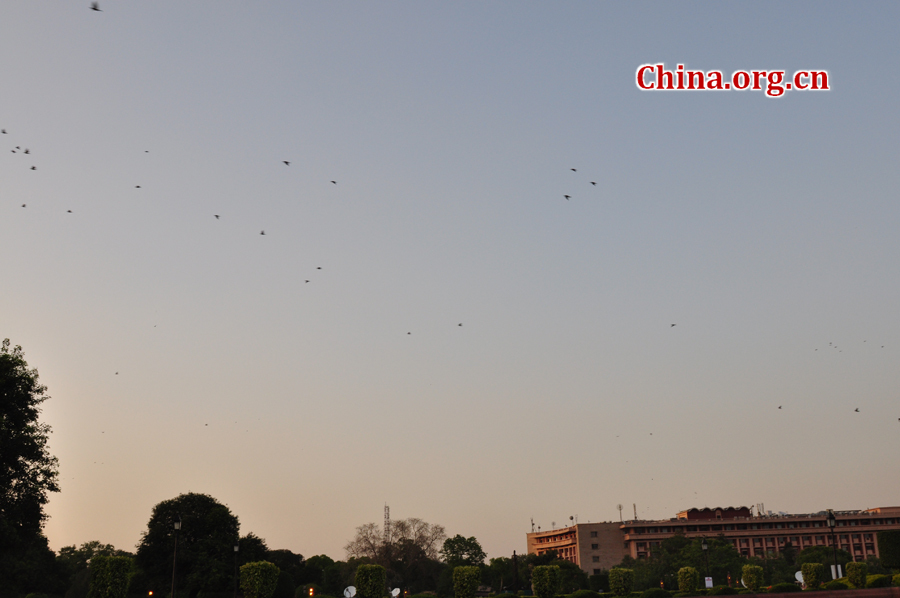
[621, 581]
[752, 576]
[259, 579]
[545, 581]
[856, 574]
[655, 593]
[371, 581]
[812, 575]
[466, 580]
[688, 580]
[110, 576]
[879, 581]
[581, 594]
[784, 588]
[836, 585]
[722, 591]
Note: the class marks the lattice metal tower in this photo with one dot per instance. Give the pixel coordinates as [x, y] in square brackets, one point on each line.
[387, 524]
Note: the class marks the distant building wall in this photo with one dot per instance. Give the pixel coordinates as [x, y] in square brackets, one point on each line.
[591, 546]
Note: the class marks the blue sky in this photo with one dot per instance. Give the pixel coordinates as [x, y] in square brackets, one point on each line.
[766, 229]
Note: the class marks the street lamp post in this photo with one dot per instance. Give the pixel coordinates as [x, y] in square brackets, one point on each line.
[831, 520]
[236, 548]
[175, 554]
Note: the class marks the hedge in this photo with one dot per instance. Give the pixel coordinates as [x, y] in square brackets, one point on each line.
[783, 588]
[621, 581]
[856, 574]
[259, 579]
[752, 576]
[879, 581]
[836, 585]
[581, 594]
[371, 581]
[545, 581]
[466, 580]
[110, 576]
[655, 593]
[812, 575]
[688, 580]
[722, 591]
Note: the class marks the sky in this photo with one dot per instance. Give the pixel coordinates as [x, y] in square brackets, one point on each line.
[427, 321]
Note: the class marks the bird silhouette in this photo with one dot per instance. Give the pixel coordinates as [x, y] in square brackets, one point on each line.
[137, 186]
[307, 281]
[856, 410]
[335, 182]
[779, 406]
[23, 205]
[593, 182]
[409, 333]
[262, 232]
[216, 215]
[460, 323]
[34, 168]
[573, 170]
[28, 151]
[117, 373]
[286, 163]
[3, 131]
[672, 326]
[95, 6]
[568, 197]
[69, 211]
[318, 267]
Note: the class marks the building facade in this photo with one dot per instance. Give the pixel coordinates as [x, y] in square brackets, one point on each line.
[596, 546]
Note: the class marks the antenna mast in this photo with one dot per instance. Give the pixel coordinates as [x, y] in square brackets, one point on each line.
[387, 524]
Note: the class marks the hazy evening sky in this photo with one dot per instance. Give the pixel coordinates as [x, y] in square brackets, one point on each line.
[767, 229]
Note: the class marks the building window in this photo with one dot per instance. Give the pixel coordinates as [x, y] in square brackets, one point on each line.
[595, 559]
[597, 571]
[595, 546]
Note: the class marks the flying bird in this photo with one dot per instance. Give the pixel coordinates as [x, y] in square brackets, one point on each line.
[567, 197]
[262, 232]
[95, 6]
[3, 131]
[69, 211]
[856, 410]
[573, 170]
[672, 326]
[286, 163]
[23, 205]
[34, 168]
[137, 186]
[779, 406]
[593, 182]
[28, 151]
[318, 267]
[460, 323]
[335, 182]
[307, 281]
[216, 215]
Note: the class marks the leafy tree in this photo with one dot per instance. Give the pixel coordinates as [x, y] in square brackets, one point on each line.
[251, 549]
[545, 581]
[110, 576]
[289, 562]
[259, 580]
[74, 561]
[688, 577]
[459, 550]
[28, 473]
[889, 548]
[752, 576]
[369, 540]
[466, 580]
[621, 581]
[370, 581]
[209, 532]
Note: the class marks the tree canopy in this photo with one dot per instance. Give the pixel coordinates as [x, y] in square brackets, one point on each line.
[209, 532]
[28, 473]
[458, 551]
